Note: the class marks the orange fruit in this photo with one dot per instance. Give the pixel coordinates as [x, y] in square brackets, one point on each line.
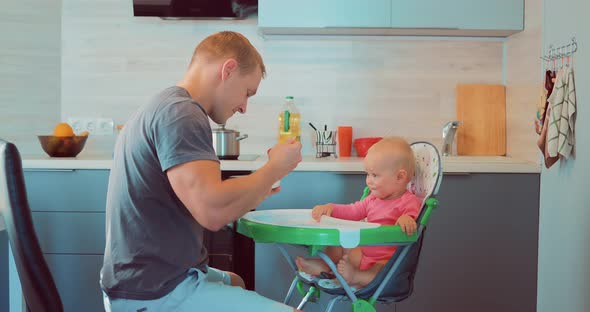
[63, 130]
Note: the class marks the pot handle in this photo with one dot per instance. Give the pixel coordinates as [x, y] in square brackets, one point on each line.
[241, 137]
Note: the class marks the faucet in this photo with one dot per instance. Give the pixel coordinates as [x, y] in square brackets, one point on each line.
[448, 134]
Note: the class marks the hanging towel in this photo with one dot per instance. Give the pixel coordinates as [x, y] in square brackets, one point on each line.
[541, 142]
[546, 90]
[550, 78]
[549, 82]
[562, 103]
[540, 110]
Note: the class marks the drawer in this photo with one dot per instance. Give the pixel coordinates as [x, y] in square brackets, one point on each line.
[70, 232]
[67, 190]
[77, 280]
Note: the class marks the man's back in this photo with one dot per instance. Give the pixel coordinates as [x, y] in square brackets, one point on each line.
[152, 239]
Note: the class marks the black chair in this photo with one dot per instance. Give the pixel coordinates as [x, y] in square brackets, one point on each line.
[38, 287]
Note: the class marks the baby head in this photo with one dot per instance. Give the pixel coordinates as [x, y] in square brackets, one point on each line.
[390, 166]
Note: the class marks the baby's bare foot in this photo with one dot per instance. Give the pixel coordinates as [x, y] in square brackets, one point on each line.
[347, 270]
[311, 266]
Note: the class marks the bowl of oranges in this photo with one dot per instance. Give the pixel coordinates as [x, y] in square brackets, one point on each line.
[64, 142]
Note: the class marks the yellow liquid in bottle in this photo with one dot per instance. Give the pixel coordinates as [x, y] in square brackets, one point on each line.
[294, 129]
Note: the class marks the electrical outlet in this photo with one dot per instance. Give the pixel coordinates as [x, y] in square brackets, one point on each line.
[91, 126]
[104, 126]
[76, 124]
[95, 126]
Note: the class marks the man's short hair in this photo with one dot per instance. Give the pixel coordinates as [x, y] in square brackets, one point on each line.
[230, 44]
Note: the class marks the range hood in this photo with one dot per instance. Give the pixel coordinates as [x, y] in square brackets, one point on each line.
[195, 9]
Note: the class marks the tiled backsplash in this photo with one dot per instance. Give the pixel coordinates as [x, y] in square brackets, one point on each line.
[113, 62]
[380, 85]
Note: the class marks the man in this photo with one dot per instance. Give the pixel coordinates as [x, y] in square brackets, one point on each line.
[165, 187]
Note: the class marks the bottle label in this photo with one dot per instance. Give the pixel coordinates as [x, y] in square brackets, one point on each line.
[286, 119]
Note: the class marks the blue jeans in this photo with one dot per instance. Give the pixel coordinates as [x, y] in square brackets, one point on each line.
[200, 291]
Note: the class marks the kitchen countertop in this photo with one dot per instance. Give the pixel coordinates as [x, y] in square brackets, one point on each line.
[453, 164]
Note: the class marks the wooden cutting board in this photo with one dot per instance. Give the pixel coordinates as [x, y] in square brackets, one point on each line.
[481, 109]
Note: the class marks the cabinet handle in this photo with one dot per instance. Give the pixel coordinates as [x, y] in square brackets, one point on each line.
[48, 170]
[384, 27]
[426, 28]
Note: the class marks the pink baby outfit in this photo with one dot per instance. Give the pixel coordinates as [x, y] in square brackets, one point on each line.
[380, 211]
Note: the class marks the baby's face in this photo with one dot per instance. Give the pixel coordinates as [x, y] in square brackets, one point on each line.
[382, 177]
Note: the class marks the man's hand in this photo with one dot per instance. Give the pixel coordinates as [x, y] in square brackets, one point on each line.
[318, 211]
[407, 224]
[284, 157]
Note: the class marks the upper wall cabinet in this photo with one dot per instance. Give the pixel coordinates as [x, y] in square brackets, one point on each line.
[501, 17]
[324, 13]
[497, 18]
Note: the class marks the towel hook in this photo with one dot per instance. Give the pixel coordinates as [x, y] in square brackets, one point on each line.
[574, 45]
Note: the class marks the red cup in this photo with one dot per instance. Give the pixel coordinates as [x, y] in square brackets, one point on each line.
[344, 141]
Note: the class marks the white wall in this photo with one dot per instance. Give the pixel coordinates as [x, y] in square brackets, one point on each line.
[564, 249]
[113, 62]
[29, 70]
[523, 83]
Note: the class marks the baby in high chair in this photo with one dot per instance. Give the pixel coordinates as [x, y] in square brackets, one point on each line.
[390, 167]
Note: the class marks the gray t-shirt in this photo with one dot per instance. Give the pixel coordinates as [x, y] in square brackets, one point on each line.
[151, 237]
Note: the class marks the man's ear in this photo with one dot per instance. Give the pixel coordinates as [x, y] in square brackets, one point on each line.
[228, 68]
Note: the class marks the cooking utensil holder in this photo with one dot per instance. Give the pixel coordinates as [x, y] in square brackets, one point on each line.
[325, 144]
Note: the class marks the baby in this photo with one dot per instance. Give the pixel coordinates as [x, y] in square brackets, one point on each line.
[390, 166]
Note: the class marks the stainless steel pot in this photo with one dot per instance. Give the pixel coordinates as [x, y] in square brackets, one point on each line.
[226, 142]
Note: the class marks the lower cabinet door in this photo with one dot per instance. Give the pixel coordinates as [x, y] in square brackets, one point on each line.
[54, 231]
[77, 280]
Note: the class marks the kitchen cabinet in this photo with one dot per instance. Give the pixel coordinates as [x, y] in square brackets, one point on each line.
[76, 278]
[88, 227]
[392, 17]
[481, 15]
[324, 13]
[68, 208]
[479, 252]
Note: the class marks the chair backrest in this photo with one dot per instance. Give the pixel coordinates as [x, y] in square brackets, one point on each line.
[428, 175]
[36, 281]
[425, 184]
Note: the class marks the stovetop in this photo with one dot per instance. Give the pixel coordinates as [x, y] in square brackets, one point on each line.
[248, 157]
[241, 157]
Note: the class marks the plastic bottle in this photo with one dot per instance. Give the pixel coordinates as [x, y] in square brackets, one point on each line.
[289, 121]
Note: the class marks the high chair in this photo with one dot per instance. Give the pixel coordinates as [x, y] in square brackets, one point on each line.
[394, 282]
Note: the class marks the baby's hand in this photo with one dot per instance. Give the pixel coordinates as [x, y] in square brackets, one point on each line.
[318, 211]
[407, 224]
